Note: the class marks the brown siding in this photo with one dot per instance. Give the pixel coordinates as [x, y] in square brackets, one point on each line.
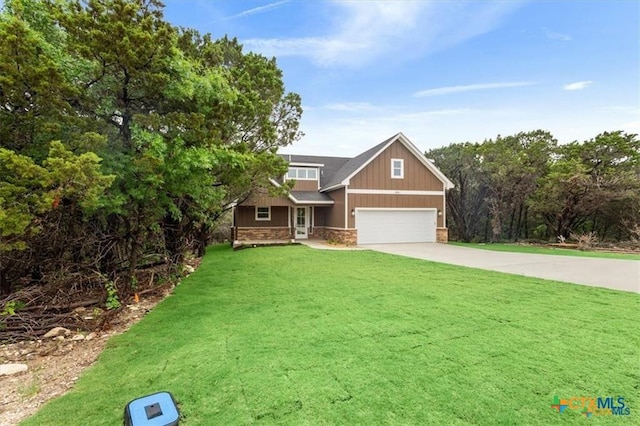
[262, 198]
[246, 217]
[395, 201]
[377, 174]
[306, 185]
[335, 214]
[320, 215]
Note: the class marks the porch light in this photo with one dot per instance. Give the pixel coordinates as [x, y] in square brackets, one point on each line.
[353, 212]
[439, 212]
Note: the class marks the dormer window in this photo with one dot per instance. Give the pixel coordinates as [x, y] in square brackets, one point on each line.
[302, 173]
[397, 168]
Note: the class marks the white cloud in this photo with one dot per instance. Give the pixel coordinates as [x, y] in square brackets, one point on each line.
[578, 85]
[336, 133]
[363, 31]
[469, 88]
[552, 35]
[259, 9]
[351, 107]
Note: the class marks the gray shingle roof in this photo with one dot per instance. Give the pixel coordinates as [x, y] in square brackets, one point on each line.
[310, 197]
[331, 164]
[336, 169]
[352, 165]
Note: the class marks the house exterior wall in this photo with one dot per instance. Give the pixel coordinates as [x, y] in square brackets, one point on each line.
[341, 236]
[442, 235]
[396, 201]
[263, 234]
[246, 217]
[319, 216]
[377, 174]
[335, 215]
[262, 198]
[306, 185]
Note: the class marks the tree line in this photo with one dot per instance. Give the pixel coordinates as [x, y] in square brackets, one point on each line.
[527, 186]
[123, 138]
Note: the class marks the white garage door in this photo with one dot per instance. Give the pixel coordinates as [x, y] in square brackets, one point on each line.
[396, 226]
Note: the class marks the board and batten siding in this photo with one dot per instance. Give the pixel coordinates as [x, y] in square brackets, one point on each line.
[377, 174]
[396, 201]
[335, 215]
[320, 216]
[305, 185]
[246, 217]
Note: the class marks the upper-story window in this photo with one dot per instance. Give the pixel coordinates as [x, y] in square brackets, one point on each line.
[397, 168]
[302, 173]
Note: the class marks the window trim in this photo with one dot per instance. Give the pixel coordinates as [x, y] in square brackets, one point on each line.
[393, 168]
[287, 177]
[268, 218]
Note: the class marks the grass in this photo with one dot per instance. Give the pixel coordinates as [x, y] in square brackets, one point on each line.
[291, 335]
[519, 248]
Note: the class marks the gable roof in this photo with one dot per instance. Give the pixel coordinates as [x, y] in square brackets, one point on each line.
[354, 165]
[335, 172]
[347, 170]
[330, 164]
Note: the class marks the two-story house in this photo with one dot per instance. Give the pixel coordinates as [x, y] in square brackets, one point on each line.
[389, 194]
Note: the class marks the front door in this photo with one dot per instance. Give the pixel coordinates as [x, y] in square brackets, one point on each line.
[302, 213]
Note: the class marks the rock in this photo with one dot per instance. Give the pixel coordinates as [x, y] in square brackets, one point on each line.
[57, 331]
[9, 369]
[59, 338]
[188, 269]
[90, 336]
[77, 337]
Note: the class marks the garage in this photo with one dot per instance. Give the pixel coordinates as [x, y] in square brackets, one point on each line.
[378, 226]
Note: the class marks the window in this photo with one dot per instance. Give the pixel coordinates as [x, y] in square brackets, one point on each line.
[301, 173]
[312, 174]
[263, 213]
[397, 168]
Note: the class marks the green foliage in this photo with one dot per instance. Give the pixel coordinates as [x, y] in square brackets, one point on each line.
[24, 195]
[11, 307]
[161, 130]
[28, 191]
[112, 302]
[526, 185]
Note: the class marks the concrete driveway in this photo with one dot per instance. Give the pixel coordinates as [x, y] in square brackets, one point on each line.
[615, 274]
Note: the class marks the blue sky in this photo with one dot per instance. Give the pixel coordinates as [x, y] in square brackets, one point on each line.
[440, 71]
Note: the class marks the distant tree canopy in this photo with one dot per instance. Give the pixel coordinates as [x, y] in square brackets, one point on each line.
[526, 186]
[123, 137]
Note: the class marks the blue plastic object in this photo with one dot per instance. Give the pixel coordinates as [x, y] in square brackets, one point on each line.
[158, 409]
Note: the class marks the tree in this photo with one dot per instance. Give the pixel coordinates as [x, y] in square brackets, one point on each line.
[591, 178]
[181, 128]
[466, 201]
[513, 165]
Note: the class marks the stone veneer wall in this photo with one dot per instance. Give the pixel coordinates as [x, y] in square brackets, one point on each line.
[341, 236]
[263, 234]
[442, 235]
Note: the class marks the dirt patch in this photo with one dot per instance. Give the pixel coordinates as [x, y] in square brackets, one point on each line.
[56, 363]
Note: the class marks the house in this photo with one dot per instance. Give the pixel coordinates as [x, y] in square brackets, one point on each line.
[389, 194]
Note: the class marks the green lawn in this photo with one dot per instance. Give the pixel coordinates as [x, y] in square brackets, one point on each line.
[292, 335]
[519, 248]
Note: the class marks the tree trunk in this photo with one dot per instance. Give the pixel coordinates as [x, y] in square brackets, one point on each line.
[486, 229]
[173, 239]
[510, 233]
[5, 284]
